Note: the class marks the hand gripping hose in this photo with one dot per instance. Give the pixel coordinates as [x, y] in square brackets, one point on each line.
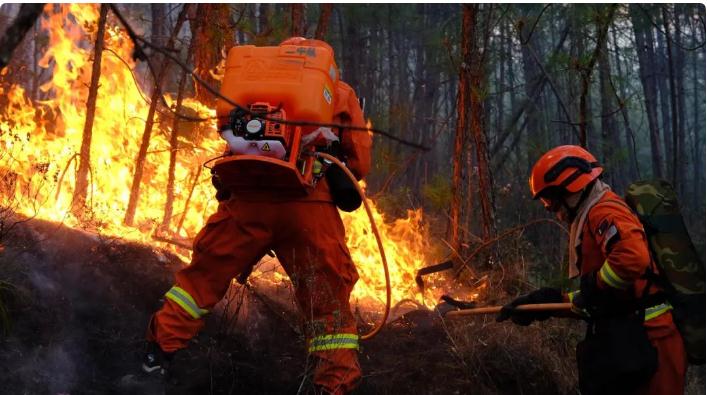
[343, 167]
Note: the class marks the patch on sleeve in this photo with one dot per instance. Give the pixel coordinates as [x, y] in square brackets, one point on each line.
[602, 227]
[610, 236]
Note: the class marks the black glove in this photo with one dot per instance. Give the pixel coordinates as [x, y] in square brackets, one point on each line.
[593, 300]
[524, 318]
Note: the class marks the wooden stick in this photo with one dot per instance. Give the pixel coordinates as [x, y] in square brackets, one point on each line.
[524, 307]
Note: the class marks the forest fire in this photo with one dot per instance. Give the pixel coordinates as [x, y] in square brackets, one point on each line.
[40, 156]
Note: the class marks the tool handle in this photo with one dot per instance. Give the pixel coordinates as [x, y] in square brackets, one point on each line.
[523, 307]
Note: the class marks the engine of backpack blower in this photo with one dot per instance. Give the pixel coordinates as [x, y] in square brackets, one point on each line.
[274, 85]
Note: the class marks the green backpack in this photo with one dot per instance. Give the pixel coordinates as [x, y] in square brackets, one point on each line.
[682, 271]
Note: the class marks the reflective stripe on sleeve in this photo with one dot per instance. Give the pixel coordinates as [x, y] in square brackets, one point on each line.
[655, 311]
[185, 301]
[607, 274]
[334, 342]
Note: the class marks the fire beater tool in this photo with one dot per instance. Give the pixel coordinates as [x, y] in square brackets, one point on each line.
[523, 307]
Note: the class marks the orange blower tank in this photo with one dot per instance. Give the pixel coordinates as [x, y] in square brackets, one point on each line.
[299, 81]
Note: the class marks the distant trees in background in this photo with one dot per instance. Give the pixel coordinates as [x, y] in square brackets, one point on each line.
[487, 87]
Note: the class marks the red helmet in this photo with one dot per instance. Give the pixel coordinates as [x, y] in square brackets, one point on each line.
[567, 168]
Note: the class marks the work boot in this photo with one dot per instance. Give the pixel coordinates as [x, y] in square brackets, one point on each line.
[156, 360]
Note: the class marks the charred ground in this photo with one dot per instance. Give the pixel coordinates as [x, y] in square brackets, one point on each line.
[77, 305]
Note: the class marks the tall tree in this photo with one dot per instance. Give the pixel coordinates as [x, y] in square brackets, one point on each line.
[646, 54]
[679, 56]
[460, 135]
[534, 80]
[673, 96]
[609, 128]
[298, 20]
[603, 17]
[476, 59]
[149, 123]
[323, 24]
[213, 33]
[629, 136]
[79, 198]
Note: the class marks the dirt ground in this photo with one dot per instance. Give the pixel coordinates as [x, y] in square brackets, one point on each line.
[77, 306]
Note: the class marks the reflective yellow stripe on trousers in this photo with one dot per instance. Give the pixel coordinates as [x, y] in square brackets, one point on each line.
[185, 301]
[334, 342]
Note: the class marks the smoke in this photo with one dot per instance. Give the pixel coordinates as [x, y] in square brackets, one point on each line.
[78, 310]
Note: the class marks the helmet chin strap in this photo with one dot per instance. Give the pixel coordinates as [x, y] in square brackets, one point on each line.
[572, 211]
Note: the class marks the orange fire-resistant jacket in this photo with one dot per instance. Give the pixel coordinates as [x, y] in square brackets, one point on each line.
[614, 245]
[307, 235]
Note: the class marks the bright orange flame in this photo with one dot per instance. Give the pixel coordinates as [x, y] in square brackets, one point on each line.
[41, 142]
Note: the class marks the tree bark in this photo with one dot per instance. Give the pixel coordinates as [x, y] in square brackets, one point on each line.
[149, 123]
[173, 150]
[661, 76]
[460, 136]
[297, 12]
[533, 80]
[323, 24]
[477, 60]
[609, 129]
[679, 55]
[698, 186]
[603, 21]
[644, 48]
[213, 33]
[79, 198]
[628, 130]
[673, 97]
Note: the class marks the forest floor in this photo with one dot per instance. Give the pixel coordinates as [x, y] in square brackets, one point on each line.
[76, 307]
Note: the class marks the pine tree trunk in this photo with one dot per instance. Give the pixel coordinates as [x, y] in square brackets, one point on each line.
[698, 185]
[323, 24]
[463, 101]
[213, 32]
[673, 97]
[628, 130]
[173, 150]
[609, 128]
[603, 21]
[661, 77]
[79, 198]
[532, 78]
[297, 12]
[149, 123]
[263, 19]
[644, 48]
[679, 54]
[477, 60]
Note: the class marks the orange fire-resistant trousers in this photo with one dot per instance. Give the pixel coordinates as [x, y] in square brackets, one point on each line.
[308, 238]
[672, 361]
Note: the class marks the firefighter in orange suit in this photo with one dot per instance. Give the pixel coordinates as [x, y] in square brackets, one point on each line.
[307, 235]
[609, 251]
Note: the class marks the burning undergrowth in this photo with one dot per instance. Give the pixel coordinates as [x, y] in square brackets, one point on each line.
[80, 302]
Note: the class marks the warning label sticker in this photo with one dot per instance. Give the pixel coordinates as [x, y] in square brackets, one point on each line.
[327, 94]
[266, 147]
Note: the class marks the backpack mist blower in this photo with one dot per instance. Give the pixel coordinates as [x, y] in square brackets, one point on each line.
[277, 123]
